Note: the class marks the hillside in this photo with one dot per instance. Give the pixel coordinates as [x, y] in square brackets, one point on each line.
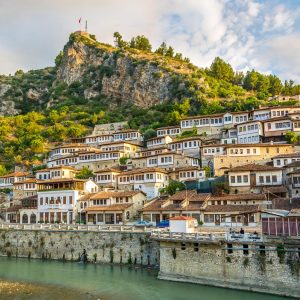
[94, 83]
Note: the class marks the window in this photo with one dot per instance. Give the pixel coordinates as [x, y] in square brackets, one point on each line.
[239, 179]
[245, 178]
[71, 200]
[261, 179]
[229, 248]
[232, 179]
[274, 178]
[245, 249]
[268, 179]
[41, 201]
[64, 199]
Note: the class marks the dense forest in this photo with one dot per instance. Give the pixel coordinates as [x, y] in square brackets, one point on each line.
[62, 111]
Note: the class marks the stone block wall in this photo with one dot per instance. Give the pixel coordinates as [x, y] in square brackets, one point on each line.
[274, 272]
[105, 247]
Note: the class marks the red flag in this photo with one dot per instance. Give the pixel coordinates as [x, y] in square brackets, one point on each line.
[79, 20]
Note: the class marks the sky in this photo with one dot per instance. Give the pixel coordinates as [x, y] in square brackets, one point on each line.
[264, 35]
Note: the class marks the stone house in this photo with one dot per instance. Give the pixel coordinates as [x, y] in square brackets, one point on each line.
[242, 154]
[253, 178]
[148, 180]
[110, 207]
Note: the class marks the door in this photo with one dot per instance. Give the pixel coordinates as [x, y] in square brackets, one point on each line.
[245, 220]
[217, 219]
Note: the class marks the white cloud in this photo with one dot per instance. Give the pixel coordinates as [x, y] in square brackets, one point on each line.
[279, 19]
[32, 32]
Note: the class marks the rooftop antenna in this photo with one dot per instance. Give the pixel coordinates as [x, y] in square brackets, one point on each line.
[86, 28]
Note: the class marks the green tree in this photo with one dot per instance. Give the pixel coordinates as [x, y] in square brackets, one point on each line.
[275, 85]
[221, 70]
[123, 160]
[173, 187]
[291, 137]
[58, 59]
[119, 42]
[170, 52]
[162, 49]
[141, 42]
[85, 173]
[250, 81]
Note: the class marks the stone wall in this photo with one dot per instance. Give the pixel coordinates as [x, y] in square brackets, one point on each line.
[274, 272]
[106, 247]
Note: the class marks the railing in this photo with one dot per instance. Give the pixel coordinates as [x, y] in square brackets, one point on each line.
[181, 236]
[64, 227]
[245, 237]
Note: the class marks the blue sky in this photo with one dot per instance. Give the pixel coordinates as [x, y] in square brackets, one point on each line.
[264, 35]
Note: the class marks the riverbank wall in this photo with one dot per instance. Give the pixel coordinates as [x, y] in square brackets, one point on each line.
[270, 267]
[103, 247]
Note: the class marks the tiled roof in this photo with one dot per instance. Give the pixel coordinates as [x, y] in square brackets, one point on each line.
[293, 164]
[114, 207]
[29, 180]
[72, 145]
[276, 189]
[181, 218]
[238, 197]
[144, 170]
[253, 167]
[108, 170]
[192, 138]
[287, 155]
[105, 195]
[255, 145]
[167, 127]
[15, 174]
[61, 180]
[231, 208]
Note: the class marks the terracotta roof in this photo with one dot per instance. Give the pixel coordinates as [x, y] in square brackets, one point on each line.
[60, 180]
[187, 168]
[182, 195]
[156, 205]
[105, 195]
[181, 218]
[158, 137]
[293, 164]
[192, 138]
[254, 167]
[237, 197]
[276, 189]
[255, 145]
[57, 167]
[72, 145]
[107, 170]
[277, 119]
[144, 170]
[15, 174]
[203, 116]
[120, 142]
[287, 155]
[231, 208]
[168, 127]
[114, 207]
[30, 180]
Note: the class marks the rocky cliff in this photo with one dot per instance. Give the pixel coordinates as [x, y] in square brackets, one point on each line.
[89, 69]
[143, 78]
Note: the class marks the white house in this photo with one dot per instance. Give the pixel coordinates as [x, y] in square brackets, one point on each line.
[57, 198]
[148, 180]
[250, 132]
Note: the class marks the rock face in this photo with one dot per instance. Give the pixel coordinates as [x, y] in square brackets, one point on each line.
[88, 70]
[114, 74]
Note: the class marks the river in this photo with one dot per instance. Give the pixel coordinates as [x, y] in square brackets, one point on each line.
[43, 280]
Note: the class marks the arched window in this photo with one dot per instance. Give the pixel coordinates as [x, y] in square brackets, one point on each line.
[25, 219]
[32, 218]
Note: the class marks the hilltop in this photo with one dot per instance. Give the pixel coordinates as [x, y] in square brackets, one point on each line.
[93, 83]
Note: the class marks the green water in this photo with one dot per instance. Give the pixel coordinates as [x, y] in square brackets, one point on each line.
[110, 282]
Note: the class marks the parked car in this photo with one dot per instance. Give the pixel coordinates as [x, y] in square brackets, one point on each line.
[163, 224]
[143, 223]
